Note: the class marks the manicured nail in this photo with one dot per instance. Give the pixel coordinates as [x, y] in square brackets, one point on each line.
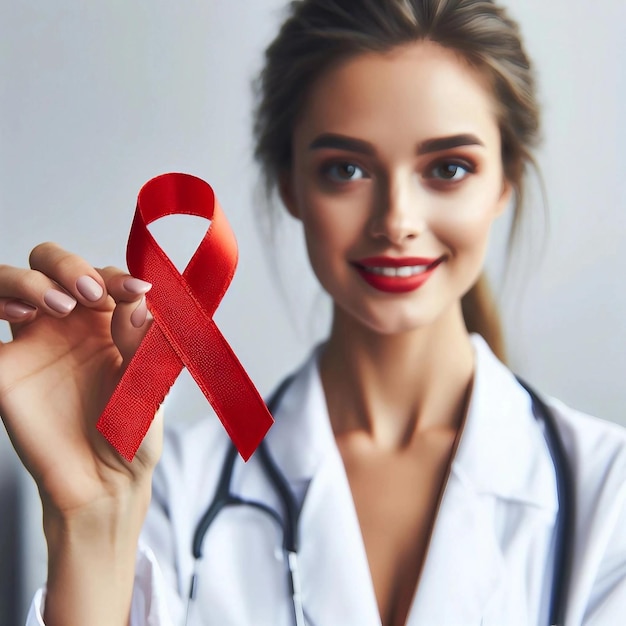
[89, 289]
[59, 302]
[136, 286]
[139, 315]
[18, 310]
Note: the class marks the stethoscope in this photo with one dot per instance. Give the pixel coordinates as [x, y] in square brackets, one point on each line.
[288, 520]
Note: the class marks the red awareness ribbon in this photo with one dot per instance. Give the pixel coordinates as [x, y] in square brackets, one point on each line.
[183, 332]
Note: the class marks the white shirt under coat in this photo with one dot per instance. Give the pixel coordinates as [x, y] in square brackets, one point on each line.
[489, 561]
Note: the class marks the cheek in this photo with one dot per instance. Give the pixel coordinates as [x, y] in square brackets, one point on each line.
[465, 227]
[329, 243]
[332, 225]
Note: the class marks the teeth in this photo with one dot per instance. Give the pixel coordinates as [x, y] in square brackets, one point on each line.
[401, 272]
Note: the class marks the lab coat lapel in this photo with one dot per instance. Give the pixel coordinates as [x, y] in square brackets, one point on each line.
[464, 562]
[501, 458]
[336, 582]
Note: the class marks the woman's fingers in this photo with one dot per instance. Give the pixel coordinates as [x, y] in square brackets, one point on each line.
[72, 273]
[14, 311]
[129, 325]
[20, 288]
[59, 281]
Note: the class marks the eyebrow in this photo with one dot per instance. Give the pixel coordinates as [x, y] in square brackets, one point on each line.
[341, 142]
[445, 143]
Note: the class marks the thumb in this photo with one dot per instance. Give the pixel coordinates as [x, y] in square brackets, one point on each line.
[129, 324]
[131, 319]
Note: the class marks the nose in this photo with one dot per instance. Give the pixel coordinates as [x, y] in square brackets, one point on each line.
[398, 215]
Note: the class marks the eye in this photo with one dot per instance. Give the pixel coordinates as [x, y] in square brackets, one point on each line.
[344, 172]
[451, 171]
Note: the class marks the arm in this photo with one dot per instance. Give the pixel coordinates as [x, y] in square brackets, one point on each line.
[74, 329]
[91, 561]
[151, 599]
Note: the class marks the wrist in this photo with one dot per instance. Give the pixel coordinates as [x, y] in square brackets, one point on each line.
[91, 560]
[107, 517]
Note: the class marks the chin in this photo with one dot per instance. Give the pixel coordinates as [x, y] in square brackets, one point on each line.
[389, 322]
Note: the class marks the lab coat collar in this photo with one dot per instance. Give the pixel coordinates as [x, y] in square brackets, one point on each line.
[501, 451]
[302, 434]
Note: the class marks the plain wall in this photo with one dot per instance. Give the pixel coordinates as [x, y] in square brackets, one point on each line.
[98, 97]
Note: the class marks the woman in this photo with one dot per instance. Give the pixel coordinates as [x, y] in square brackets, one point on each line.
[396, 132]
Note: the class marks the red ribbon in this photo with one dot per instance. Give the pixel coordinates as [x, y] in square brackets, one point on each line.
[183, 332]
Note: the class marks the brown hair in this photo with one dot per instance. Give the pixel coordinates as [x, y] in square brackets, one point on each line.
[318, 33]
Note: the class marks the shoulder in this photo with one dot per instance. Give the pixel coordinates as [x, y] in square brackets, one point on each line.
[596, 453]
[590, 442]
[594, 445]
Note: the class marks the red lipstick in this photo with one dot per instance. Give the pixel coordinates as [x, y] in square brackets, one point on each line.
[396, 275]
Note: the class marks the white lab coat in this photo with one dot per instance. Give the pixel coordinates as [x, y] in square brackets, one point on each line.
[489, 561]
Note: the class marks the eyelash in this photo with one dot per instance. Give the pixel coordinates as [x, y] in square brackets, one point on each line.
[464, 165]
[328, 168]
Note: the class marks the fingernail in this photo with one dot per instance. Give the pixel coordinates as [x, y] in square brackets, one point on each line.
[136, 286]
[18, 309]
[89, 289]
[59, 302]
[139, 315]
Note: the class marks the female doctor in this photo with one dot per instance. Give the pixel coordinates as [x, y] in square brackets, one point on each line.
[415, 483]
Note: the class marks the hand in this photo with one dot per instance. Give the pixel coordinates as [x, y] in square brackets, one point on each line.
[74, 329]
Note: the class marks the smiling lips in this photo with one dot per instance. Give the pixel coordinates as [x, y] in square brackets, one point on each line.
[396, 275]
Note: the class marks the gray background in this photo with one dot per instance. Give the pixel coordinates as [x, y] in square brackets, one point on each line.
[98, 97]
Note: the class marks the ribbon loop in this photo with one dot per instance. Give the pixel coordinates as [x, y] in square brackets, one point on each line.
[183, 332]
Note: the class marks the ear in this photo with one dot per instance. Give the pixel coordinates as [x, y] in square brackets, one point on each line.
[505, 197]
[285, 189]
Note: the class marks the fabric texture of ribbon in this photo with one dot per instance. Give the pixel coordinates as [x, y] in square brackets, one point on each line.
[183, 332]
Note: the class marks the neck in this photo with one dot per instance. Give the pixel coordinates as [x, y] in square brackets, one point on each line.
[392, 388]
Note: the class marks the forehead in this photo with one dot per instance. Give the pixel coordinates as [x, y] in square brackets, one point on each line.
[421, 90]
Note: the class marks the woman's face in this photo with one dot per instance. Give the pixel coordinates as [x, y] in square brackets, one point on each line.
[397, 177]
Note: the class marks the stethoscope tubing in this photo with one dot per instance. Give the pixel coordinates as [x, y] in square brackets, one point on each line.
[565, 520]
[288, 521]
